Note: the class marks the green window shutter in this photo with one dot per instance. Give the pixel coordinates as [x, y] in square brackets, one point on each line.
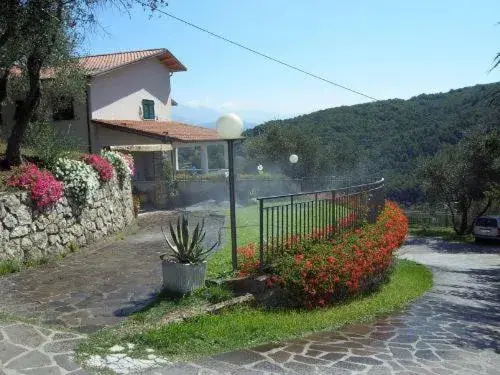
[148, 109]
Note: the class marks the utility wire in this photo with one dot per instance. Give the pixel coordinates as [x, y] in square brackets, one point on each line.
[261, 54]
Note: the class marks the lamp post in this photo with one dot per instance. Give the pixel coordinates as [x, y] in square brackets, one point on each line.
[293, 159]
[230, 127]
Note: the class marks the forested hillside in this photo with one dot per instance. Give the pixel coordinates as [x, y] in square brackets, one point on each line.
[381, 138]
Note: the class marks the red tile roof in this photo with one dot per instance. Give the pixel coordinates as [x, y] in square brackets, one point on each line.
[97, 64]
[159, 129]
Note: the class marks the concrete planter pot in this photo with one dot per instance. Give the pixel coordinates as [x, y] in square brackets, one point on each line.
[183, 277]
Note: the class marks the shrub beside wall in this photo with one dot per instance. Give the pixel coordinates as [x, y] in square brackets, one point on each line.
[51, 217]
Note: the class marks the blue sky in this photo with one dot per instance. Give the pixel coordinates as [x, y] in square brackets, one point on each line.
[387, 49]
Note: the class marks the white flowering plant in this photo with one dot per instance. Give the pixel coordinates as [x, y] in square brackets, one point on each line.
[80, 180]
[123, 163]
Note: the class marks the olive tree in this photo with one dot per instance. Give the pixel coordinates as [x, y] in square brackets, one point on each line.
[38, 37]
[465, 176]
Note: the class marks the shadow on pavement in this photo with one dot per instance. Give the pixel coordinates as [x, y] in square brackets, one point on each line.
[443, 246]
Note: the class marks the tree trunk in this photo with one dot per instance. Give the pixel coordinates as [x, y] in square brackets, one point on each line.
[453, 219]
[463, 222]
[464, 204]
[13, 153]
[3, 91]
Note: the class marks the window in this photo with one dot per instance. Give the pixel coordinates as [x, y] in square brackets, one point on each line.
[148, 109]
[63, 109]
[486, 222]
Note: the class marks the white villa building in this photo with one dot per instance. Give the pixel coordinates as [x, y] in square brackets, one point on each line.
[129, 102]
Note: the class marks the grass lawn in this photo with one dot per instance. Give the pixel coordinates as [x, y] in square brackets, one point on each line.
[245, 326]
[446, 233]
[247, 224]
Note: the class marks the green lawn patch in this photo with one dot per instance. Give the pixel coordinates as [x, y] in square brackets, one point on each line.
[246, 326]
[445, 233]
[247, 224]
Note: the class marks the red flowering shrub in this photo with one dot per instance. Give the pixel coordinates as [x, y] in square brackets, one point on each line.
[45, 189]
[249, 264]
[102, 166]
[321, 272]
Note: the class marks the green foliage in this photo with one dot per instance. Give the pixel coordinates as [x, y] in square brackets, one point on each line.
[214, 294]
[41, 37]
[465, 176]
[72, 247]
[188, 248]
[384, 138]
[273, 147]
[9, 266]
[49, 143]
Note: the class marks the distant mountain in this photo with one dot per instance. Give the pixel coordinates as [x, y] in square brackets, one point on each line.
[207, 117]
[387, 137]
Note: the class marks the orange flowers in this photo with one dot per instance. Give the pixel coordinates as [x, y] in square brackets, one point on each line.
[249, 265]
[335, 268]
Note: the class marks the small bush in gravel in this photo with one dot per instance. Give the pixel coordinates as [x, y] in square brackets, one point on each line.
[9, 266]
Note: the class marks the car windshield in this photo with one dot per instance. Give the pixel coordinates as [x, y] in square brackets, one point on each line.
[486, 222]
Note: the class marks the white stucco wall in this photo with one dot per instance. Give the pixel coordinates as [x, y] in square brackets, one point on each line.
[118, 95]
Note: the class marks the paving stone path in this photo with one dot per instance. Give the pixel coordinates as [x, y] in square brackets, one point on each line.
[97, 286]
[33, 350]
[453, 329]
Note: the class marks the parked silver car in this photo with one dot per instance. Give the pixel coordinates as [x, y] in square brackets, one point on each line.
[487, 227]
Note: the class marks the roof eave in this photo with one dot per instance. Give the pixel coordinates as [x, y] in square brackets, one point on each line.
[162, 137]
[181, 68]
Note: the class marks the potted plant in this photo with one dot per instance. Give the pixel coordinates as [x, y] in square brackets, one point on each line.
[184, 269]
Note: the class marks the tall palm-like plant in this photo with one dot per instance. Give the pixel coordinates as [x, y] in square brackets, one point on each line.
[187, 247]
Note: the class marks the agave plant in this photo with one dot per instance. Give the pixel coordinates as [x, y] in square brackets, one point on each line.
[188, 248]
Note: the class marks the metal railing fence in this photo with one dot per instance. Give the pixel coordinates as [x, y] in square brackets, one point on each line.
[291, 218]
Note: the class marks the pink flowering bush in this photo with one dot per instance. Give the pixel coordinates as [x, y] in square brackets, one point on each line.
[44, 188]
[123, 163]
[102, 166]
[129, 160]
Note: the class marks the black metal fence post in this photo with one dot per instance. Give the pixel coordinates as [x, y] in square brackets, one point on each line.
[232, 204]
[261, 232]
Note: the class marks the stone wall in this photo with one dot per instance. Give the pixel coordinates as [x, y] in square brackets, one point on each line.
[28, 234]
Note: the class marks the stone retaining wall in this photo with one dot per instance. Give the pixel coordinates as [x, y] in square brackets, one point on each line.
[28, 234]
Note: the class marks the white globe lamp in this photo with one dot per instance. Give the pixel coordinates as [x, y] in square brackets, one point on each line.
[293, 159]
[229, 126]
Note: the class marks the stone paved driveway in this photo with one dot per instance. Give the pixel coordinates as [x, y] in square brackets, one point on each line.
[97, 286]
[32, 350]
[453, 329]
